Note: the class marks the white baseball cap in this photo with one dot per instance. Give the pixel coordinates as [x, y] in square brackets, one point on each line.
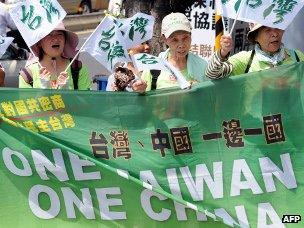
[175, 22]
[254, 27]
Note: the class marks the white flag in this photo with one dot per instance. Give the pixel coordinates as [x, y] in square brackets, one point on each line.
[36, 18]
[182, 82]
[271, 13]
[137, 29]
[3, 8]
[106, 44]
[4, 43]
[143, 61]
[118, 21]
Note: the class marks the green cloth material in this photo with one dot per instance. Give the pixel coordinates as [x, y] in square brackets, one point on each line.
[194, 72]
[241, 59]
[226, 151]
[84, 81]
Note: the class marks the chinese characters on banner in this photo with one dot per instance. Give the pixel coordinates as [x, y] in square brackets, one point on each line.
[202, 17]
[232, 132]
[119, 141]
[40, 114]
[239, 36]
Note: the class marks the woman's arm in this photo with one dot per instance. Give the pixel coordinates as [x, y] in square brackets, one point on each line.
[218, 66]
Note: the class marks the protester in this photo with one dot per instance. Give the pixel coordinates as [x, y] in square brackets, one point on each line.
[55, 52]
[137, 85]
[268, 52]
[176, 31]
[2, 76]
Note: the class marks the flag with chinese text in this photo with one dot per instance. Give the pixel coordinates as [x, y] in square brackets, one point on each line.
[137, 29]
[271, 13]
[143, 61]
[36, 18]
[106, 44]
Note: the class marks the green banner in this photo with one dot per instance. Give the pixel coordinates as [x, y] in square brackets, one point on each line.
[226, 152]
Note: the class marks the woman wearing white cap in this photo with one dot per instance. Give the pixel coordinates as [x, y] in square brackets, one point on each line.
[55, 52]
[268, 52]
[176, 31]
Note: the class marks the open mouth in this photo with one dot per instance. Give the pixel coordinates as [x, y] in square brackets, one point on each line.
[274, 42]
[181, 52]
[55, 46]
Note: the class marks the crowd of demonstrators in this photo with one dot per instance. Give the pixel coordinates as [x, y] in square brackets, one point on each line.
[136, 85]
[55, 52]
[176, 32]
[2, 76]
[268, 52]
